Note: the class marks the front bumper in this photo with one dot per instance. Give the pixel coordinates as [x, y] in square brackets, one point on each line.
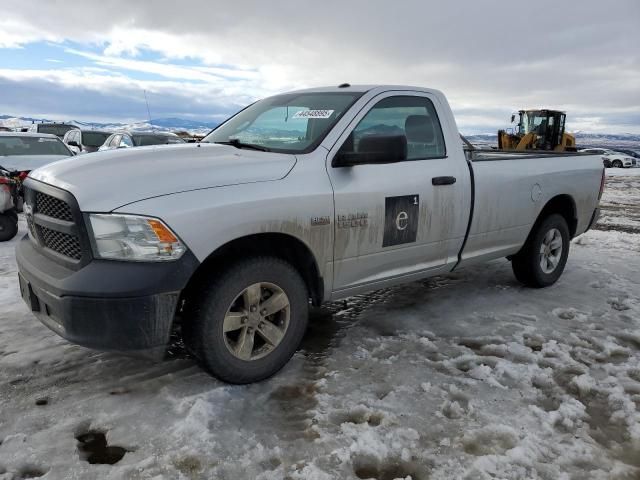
[106, 305]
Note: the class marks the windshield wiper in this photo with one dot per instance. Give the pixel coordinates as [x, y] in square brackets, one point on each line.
[234, 142]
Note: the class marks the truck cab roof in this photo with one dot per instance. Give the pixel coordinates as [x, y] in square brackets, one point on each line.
[366, 88]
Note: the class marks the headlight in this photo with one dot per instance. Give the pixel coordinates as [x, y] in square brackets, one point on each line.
[129, 237]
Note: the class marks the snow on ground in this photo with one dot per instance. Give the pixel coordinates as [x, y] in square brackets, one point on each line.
[467, 375]
[623, 172]
[621, 208]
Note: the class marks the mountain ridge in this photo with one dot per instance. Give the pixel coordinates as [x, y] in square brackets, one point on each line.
[161, 124]
[203, 126]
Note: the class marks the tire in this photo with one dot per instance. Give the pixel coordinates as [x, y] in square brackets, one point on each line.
[8, 226]
[527, 264]
[617, 164]
[228, 303]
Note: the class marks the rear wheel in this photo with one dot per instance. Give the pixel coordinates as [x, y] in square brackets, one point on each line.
[544, 256]
[249, 321]
[8, 226]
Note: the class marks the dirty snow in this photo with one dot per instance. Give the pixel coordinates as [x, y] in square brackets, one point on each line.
[467, 375]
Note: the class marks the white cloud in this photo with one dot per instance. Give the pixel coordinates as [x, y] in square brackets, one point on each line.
[492, 56]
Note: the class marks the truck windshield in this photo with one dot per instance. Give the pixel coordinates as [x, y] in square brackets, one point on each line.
[290, 123]
[10, 146]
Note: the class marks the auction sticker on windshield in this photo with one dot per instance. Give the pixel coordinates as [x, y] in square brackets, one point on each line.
[313, 114]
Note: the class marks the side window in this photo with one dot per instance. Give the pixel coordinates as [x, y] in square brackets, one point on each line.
[411, 116]
[125, 141]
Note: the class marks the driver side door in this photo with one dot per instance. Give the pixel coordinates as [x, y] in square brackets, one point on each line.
[393, 220]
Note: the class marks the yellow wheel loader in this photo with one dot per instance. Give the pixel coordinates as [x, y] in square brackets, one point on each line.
[537, 130]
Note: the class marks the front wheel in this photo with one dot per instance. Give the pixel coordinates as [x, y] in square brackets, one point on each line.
[249, 321]
[8, 225]
[544, 256]
[617, 164]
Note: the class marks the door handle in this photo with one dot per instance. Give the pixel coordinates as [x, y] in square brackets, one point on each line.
[443, 180]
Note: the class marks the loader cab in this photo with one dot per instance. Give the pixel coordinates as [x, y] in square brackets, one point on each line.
[547, 125]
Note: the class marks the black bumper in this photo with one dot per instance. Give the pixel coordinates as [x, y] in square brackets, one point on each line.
[106, 305]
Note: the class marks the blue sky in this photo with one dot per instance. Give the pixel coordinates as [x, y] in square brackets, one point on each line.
[92, 61]
[166, 81]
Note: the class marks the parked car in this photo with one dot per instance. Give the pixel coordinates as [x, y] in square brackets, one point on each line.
[611, 158]
[22, 152]
[139, 139]
[8, 204]
[632, 153]
[27, 151]
[57, 129]
[85, 141]
[310, 196]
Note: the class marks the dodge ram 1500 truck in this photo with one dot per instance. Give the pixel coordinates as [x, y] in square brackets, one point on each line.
[300, 198]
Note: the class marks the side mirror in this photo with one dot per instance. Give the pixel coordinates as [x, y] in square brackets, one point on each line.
[73, 143]
[513, 118]
[123, 145]
[374, 149]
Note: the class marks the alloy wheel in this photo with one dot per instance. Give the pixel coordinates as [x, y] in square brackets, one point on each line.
[551, 250]
[256, 321]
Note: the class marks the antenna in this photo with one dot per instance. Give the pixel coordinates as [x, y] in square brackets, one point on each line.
[148, 111]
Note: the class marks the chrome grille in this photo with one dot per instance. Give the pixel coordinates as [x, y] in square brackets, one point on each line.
[63, 243]
[53, 207]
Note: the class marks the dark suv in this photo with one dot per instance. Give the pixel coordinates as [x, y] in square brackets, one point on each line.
[57, 129]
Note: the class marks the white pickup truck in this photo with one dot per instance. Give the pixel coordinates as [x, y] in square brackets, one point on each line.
[308, 196]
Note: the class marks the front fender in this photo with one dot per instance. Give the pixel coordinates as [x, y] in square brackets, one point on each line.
[208, 219]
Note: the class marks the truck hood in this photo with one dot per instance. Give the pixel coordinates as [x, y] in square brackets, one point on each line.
[25, 163]
[104, 181]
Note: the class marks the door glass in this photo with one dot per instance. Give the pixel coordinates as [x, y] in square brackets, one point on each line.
[409, 116]
[126, 141]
